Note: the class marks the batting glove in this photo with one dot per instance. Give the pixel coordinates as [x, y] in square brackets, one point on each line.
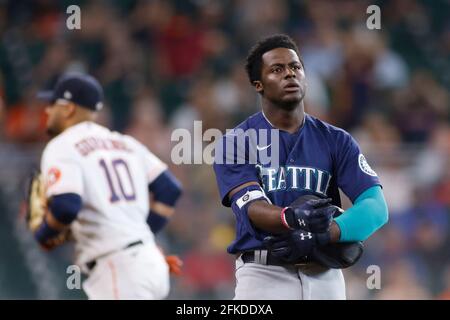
[294, 246]
[313, 216]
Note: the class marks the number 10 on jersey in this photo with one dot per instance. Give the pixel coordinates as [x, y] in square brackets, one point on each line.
[121, 173]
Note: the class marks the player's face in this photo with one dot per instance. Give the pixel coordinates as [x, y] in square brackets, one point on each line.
[283, 78]
[55, 118]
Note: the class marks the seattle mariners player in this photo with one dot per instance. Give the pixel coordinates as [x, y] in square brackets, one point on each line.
[276, 156]
[97, 184]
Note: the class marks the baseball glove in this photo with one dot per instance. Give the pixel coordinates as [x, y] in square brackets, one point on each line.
[333, 255]
[35, 201]
[338, 255]
[36, 209]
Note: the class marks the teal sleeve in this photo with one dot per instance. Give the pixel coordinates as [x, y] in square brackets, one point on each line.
[367, 215]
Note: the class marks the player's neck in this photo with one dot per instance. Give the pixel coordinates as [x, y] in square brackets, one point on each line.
[287, 120]
[77, 119]
[72, 124]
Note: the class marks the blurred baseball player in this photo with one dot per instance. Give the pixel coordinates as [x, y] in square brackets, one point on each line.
[312, 158]
[97, 183]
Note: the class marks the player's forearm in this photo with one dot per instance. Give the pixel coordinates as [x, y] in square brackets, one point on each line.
[159, 216]
[266, 216]
[54, 223]
[335, 232]
[51, 233]
[367, 215]
[62, 210]
[166, 191]
[162, 209]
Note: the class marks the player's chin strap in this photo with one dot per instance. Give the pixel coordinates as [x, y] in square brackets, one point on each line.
[247, 195]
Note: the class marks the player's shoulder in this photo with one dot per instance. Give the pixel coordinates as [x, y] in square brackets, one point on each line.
[255, 121]
[326, 128]
[65, 142]
[61, 144]
[136, 146]
[131, 142]
[58, 150]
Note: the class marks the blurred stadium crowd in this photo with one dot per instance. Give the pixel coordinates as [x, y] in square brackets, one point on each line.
[164, 64]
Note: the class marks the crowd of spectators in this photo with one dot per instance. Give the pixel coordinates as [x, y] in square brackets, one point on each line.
[165, 64]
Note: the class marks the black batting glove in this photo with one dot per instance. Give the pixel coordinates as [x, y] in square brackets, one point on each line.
[313, 216]
[296, 245]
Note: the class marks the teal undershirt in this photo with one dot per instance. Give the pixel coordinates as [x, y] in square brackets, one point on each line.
[367, 215]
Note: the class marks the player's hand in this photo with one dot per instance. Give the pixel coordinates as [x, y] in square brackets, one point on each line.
[175, 264]
[291, 247]
[63, 237]
[313, 215]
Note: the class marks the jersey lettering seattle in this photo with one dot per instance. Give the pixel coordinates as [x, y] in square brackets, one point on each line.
[295, 178]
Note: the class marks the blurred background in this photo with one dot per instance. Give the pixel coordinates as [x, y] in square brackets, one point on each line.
[164, 64]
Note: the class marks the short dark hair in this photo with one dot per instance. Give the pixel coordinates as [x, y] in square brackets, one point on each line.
[254, 58]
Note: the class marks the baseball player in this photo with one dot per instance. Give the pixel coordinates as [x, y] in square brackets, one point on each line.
[275, 234]
[97, 184]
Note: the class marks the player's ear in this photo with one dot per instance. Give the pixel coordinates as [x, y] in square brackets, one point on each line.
[70, 110]
[258, 86]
